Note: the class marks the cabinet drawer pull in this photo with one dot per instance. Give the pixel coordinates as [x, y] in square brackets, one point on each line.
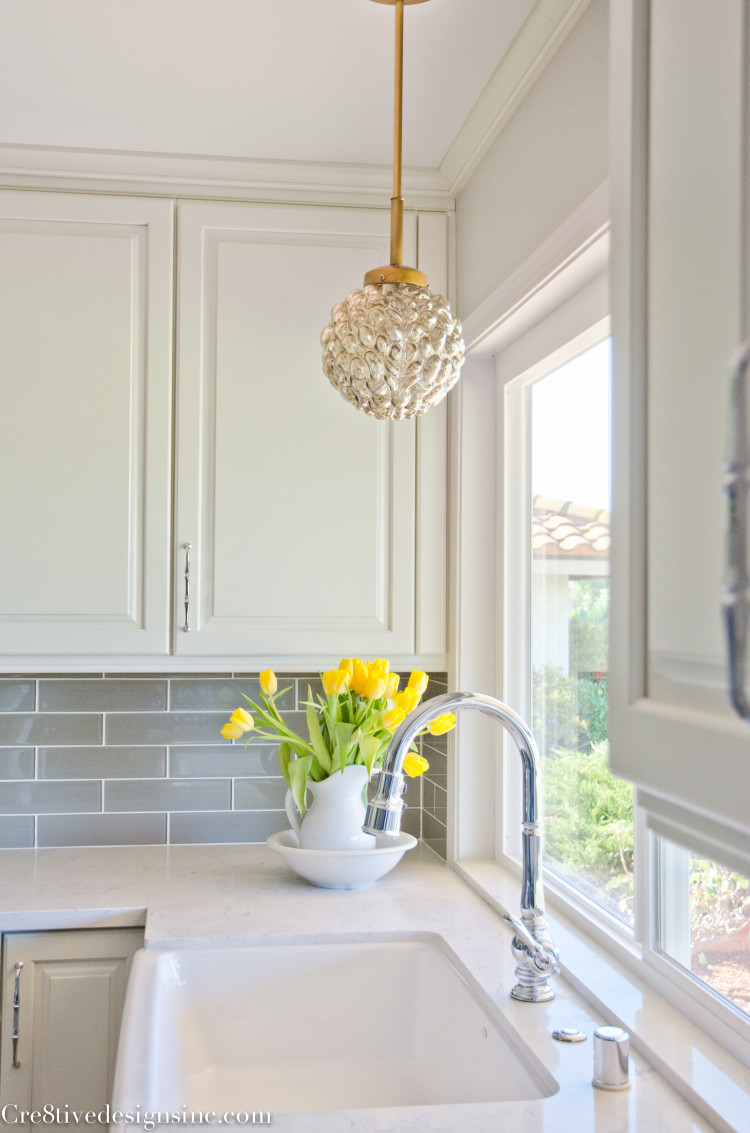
[735, 604]
[186, 626]
[16, 1004]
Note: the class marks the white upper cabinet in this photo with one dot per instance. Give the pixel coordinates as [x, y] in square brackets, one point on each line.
[680, 309]
[314, 530]
[85, 424]
[299, 510]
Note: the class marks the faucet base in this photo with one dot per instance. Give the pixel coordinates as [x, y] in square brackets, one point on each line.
[531, 994]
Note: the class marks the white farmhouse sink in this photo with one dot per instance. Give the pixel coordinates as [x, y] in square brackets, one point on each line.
[314, 1027]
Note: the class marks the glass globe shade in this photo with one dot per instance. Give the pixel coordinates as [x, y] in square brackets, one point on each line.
[393, 349]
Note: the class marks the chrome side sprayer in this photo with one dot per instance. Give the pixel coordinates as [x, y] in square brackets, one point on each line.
[535, 954]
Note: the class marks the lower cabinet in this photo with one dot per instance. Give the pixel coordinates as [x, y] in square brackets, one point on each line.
[61, 1012]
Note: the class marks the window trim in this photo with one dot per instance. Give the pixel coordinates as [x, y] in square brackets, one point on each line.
[584, 326]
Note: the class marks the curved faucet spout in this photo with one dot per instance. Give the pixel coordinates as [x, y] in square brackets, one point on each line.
[384, 817]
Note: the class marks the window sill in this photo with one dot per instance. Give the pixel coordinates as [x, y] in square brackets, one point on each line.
[711, 1079]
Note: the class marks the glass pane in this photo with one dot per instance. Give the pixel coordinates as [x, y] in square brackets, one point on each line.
[588, 812]
[705, 921]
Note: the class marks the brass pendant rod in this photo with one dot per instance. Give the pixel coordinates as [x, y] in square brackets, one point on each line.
[395, 272]
[398, 98]
[397, 202]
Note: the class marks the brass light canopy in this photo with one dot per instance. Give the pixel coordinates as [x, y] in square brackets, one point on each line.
[393, 348]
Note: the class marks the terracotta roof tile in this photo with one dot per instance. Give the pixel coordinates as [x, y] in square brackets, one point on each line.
[563, 529]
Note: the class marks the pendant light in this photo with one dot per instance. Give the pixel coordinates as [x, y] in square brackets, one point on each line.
[393, 348]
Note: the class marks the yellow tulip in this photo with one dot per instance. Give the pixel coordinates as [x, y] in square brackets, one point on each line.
[242, 719]
[415, 765]
[346, 663]
[268, 682]
[232, 731]
[335, 680]
[392, 719]
[407, 699]
[380, 665]
[442, 724]
[374, 686]
[360, 671]
[391, 684]
[418, 681]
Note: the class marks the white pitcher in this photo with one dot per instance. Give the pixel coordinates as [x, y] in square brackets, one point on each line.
[334, 818]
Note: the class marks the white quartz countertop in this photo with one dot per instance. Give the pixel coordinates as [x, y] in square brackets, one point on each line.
[189, 895]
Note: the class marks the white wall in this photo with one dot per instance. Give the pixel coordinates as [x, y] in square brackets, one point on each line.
[552, 154]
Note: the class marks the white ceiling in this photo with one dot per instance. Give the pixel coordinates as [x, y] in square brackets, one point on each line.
[299, 80]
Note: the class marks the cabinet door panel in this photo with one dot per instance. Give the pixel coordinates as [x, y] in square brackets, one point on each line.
[72, 992]
[696, 220]
[74, 1026]
[680, 309]
[85, 302]
[300, 511]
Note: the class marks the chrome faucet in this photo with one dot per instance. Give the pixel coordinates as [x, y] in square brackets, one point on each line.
[535, 955]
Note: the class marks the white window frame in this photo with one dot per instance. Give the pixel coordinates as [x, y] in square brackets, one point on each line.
[527, 327]
[580, 322]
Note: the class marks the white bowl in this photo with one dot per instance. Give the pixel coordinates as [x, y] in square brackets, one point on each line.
[341, 869]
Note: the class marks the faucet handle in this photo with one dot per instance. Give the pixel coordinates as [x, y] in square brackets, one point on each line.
[544, 954]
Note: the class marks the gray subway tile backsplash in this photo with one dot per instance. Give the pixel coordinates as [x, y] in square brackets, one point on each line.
[259, 794]
[138, 759]
[17, 831]
[207, 761]
[50, 728]
[234, 826]
[434, 833]
[221, 694]
[438, 770]
[16, 763]
[101, 762]
[167, 794]
[120, 694]
[17, 696]
[29, 797]
[411, 822]
[163, 727]
[101, 829]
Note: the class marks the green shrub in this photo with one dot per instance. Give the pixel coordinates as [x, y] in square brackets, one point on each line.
[568, 712]
[588, 822]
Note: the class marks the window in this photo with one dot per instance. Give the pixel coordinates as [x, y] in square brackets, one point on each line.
[661, 886]
[559, 413]
[680, 902]
[704, 921]
[589, 812]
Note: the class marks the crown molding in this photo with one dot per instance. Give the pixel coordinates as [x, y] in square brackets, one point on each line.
[370, 186]
[223, 178]
[544, 31]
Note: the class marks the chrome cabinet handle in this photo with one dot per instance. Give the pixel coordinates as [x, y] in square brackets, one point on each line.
[736, 608]
[186, 626]
[16, 1005]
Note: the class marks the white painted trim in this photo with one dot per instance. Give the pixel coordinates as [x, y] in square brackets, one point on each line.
[575, 253]
[547, 27]
[472, 494]
[538, 288]
[431, 591]
[546, 344]
[234, 663]
[216, 178]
